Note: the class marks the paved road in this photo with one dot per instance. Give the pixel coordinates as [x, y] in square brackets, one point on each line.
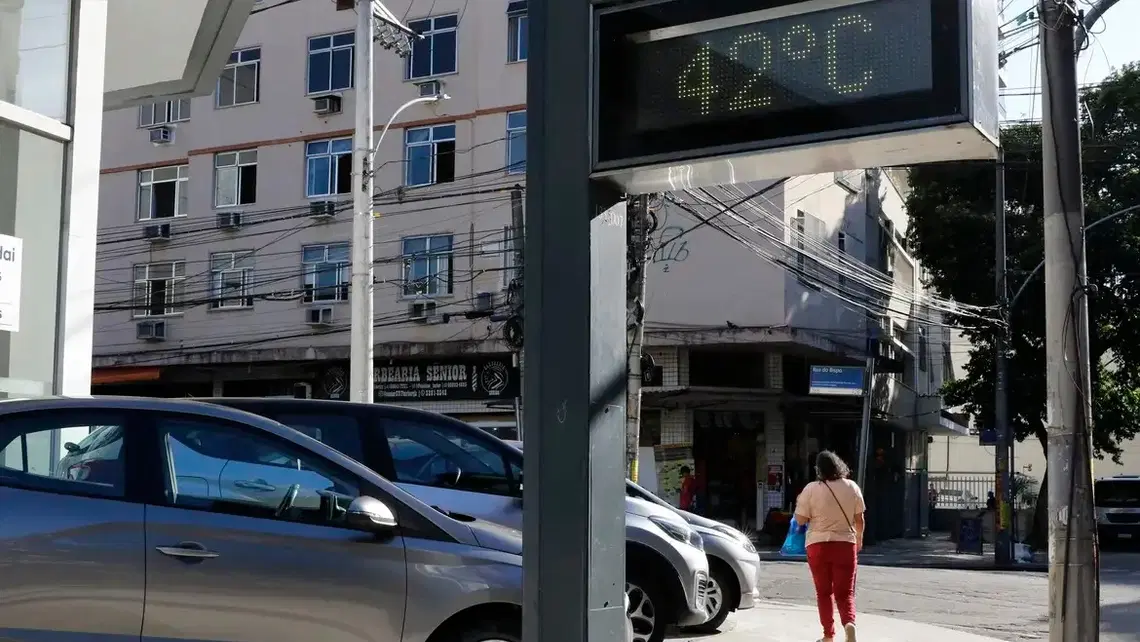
[1002, 605]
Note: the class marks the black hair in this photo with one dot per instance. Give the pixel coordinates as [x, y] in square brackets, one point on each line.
[685, 470]
[829, 467]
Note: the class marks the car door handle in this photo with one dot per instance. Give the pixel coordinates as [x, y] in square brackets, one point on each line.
[187, 551]
[257, 484]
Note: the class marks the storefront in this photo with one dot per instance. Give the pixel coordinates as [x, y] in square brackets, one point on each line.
[61, 63]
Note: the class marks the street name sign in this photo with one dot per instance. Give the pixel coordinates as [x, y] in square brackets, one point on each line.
[845, 381]
[690, 93]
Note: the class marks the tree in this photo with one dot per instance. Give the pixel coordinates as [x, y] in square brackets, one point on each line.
[951, 234]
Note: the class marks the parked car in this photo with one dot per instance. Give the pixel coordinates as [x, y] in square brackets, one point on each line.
[223, 525]
[734, 563]
[466, 471]
[1117, 502]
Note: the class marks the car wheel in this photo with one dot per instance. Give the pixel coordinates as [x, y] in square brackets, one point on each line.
[492, 631]
[718, 601]
[643, 609]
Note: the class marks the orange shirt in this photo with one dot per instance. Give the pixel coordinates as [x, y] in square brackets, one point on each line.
[827, 518]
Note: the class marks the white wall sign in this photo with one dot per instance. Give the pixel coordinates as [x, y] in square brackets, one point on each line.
[11, 250]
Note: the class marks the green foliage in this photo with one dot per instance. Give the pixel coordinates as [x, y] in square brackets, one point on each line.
[952, 234]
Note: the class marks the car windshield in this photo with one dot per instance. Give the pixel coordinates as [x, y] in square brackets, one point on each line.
[1117, 493]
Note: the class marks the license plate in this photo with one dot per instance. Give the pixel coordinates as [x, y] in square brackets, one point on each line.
[1125, 535]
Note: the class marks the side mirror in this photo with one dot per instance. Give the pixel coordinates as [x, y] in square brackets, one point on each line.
[70, 447]
[370, 514]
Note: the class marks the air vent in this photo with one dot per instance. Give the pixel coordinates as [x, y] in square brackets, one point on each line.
[421, 311]
[319, 316]
[345, 5]
[430, 88]
[322, 209]
[162, 135]
[229, 220]
[151, 330]
[157, 232]
[326, 105]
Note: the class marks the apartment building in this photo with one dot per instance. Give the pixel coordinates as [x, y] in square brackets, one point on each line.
[224, 262]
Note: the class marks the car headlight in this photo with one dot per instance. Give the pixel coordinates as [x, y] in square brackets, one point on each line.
[736, 535]
[679, 532]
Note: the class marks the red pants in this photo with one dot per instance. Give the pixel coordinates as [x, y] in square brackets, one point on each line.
[832, 567]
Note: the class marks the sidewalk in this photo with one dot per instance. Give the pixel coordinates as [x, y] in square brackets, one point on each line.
[775, 622]
[934, 551]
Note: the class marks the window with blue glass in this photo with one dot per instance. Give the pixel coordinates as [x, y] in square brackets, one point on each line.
[517, 34]
[427, 265]
[328, 167]
[326, 272]
[240, 80]
[435, 53]
[331, 62]
[429, 155]
[516, 142]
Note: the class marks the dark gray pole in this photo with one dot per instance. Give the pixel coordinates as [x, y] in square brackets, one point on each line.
[514, 277]
[574, 330]
[868, 394]
[1074, 606]
[1003, 546]
[638, 212]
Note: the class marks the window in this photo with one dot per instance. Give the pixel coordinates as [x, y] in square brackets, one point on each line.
[430, 155]
[240, 81]
[336, 431]
[328, 167]
[159, 288]
[435, 53]
[427, 265]
[517, 35]
[331, 62]
[516, 142]
[230, 281]
[922, 356]
[40, 451]
[235, 178]
[223, 469]
[510, 265]
[327, 272]
[841, 243]
[163, 192]
[163, 112]
[437, 455]
[806, 227]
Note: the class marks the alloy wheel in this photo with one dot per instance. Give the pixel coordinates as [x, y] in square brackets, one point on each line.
[642, 613]
[714, 598]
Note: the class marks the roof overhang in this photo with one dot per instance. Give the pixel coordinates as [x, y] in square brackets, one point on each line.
[168, 48]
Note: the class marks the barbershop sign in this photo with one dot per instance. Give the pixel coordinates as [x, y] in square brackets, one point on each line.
[467, 378]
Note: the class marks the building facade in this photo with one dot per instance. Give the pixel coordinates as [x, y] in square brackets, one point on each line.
[224, 261]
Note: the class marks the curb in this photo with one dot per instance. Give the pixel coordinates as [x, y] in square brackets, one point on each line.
[1034, 567]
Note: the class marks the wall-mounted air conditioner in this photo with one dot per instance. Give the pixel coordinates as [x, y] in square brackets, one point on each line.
[326, 105]
[162, 135]
[319, 316]
[151, 330]
[430, 88]
[229, 220]
[159, 232]
[421, 311]
[322, 209]
[484, 301]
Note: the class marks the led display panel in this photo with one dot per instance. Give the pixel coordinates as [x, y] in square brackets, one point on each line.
[679, 77]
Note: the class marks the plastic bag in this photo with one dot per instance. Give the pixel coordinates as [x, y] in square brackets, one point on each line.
[795, 544]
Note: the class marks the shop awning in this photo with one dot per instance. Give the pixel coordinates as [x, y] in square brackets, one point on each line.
[126, 374]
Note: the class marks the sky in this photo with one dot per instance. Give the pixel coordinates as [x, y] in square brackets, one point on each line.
[1114, 43]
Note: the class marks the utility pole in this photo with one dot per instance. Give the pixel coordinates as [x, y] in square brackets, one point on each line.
[360, 296]
[868, 389]
[1003, 546]
[637, 221]
[515, 287]
[1074, 604]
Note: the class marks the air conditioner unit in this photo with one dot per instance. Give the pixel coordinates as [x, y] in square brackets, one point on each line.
[162, 135]
[326, 105]
[430, 88]
[157, 232]
[229, 220]
[484, 301]
[322, 209]
[421, 311]
[151, 330]
[319, 316]
[344, 5]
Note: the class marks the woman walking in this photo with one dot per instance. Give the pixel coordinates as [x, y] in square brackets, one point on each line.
[833, 509]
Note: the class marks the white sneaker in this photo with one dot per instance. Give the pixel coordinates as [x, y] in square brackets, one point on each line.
[849, 631]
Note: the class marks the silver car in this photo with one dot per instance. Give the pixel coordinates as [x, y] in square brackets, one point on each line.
[469, 472]
[141, 532]
[734, 564]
